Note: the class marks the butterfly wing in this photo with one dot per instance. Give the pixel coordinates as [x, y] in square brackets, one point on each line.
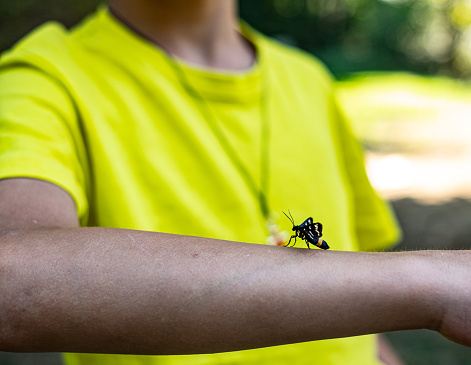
[312, 233]
[307, 222]
[311, 236]
[314, 228]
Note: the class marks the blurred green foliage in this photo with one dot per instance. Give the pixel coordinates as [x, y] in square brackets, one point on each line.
[17, 18]
[422, 36]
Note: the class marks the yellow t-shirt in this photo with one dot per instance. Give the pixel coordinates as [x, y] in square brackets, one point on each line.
[142, 143]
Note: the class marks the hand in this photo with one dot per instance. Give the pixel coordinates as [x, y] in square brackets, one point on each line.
[455, 322]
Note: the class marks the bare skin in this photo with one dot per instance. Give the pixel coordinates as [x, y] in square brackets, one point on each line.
[203, 32]
[120, 291]
[66, 288]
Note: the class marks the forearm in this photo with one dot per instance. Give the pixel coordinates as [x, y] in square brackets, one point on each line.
[120, 291]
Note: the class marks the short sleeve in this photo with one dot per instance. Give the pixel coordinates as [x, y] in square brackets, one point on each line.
[39, 133]
[375, 224]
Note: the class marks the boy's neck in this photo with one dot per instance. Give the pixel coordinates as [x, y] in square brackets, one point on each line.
[203, 32]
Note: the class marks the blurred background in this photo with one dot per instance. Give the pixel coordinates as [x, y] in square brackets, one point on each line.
[404, 71]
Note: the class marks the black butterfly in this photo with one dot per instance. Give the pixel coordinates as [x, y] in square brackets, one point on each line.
[308, 231]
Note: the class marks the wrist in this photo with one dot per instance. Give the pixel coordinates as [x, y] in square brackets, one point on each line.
[429, 287]
[450, 291]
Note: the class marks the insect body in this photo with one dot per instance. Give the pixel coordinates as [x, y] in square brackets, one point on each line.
[308, 231]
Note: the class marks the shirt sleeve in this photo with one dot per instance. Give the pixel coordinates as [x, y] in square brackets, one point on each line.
[39, 133]
[376, 227]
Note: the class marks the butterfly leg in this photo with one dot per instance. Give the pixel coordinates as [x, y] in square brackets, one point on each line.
[315, 241]
[293, 236]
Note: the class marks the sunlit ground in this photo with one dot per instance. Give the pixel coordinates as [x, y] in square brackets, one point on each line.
[417, 134]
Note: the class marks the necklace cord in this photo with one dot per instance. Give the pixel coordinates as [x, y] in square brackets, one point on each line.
[212, 120]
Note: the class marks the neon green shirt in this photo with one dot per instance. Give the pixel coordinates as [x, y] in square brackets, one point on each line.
[103, 113]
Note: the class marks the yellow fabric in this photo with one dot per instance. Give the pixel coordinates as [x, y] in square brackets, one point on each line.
[102, 113]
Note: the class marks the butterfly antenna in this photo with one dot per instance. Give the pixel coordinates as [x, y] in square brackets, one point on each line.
[291, 219]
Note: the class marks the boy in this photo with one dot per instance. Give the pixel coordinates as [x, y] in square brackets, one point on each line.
[170, 117]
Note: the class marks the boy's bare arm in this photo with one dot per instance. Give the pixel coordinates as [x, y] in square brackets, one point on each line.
[105, 290]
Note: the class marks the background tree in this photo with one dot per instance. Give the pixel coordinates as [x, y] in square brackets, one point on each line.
[422, 36]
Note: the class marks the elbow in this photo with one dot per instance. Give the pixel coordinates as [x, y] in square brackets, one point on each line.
[13, 327]
[28, 310]
[9, 331]
[15, 337]
[17, 333]
[9, 338]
